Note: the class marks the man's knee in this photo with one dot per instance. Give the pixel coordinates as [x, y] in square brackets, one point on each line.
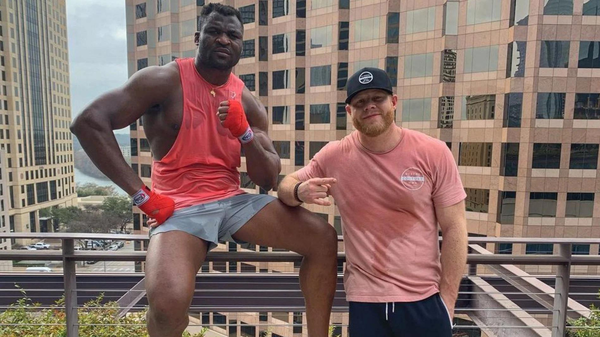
[323, 237]
[169, 307]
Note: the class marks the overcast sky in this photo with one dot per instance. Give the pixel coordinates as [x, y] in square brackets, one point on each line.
[97, 36]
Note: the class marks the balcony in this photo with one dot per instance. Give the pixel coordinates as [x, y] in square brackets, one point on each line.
[500, 295]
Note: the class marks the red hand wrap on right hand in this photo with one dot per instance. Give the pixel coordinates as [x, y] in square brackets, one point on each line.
[236, 120]
[157, 206]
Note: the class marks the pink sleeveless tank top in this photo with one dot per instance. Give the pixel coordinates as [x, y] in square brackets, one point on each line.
[201, 166]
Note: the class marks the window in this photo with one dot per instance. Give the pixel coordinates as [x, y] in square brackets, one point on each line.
[542, 204]
[162, 5]
[558, 7]
[281, 79]
[164, 33]
[249, 80]
[281, 8]
[554, 54]
[315, 147]
[591, 7]
[164, 59]
[509, 157]
[580, 205]
[420, 20]
[299, 153]
[281, 115]
[248, 13]
[580, 249]
[393, 27]
[342, 77]
[446, 112]
[344, 4]
[586, 106]
[319, 114]
[539, 248]
[344, 35]
[391, 68]
[142, 38]
[449, 65]
[516, 59]
[320, 76]
[140, 10]
[263, 83]
[282, 148]
[475, 154]
[483, 59]
[416, 110]
[482, 11]
[340, 118]
[546, 156]
[321, 3]
[419, 65]
[263, 48]
[142, 63]
[145, 171]
[504, 248]
[478, 107]
[366, 29]
[263, 10]
[300, 80]
[584, 156]
[144, 145]
[513, 107]
[301, 8]
[300, 42]
[589, 54]
[477, 200]
[550, 105]
[506, 207]
[134, 146]
[280, 43]
[321, 37]
[451, 10]
[245, 181]
[299, 117]
[248, 48]
[519, 12]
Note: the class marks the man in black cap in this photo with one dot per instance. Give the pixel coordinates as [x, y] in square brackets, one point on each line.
[393, 187]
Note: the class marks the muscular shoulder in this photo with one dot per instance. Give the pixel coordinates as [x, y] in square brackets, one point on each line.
[157, 81]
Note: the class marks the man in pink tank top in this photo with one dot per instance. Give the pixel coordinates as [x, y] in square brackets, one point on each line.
[197, 117]
[392, 186]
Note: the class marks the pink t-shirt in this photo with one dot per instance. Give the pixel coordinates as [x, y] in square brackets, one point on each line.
[387, 203]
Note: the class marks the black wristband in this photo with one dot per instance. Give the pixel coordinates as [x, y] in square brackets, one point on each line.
[296, 192]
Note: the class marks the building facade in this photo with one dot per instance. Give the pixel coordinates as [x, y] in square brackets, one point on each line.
[512, 87]
[37, 167]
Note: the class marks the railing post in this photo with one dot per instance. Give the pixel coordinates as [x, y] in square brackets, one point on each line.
[70, 288]
[561, 290]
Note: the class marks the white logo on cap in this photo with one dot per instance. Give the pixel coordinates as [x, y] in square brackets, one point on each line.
[365, 77]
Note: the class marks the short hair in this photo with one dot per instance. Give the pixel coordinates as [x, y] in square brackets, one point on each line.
[224, 10]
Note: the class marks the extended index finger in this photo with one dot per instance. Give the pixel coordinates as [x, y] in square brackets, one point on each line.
[325, 181]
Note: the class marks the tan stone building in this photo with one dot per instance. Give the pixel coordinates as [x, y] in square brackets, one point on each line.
[37, 165]
[512, 87]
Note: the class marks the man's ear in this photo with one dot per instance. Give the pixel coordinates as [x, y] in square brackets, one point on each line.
[197, 38]
[349, 109]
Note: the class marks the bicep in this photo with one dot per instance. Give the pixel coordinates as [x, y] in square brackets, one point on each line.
[255, 111]
[451, 216]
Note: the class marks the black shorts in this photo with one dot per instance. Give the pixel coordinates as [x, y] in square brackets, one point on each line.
[425, 318]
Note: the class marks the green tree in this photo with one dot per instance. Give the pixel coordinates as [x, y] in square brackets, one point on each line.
[118, 207]
[89, 189]
[65, 214]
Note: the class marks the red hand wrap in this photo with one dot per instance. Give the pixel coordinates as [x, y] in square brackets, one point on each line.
[155, 205]
[236, 122]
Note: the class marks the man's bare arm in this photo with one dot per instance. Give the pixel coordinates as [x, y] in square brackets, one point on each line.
[262, 161]
[117, 109]
[454, 251]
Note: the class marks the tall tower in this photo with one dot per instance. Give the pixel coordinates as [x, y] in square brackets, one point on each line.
[35, 113]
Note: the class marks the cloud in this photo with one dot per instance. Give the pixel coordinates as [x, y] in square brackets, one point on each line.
[97, 49]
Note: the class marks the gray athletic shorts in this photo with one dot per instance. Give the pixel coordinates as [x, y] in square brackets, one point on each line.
[215, 221]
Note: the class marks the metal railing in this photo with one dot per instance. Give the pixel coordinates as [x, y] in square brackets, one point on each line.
[498, 294]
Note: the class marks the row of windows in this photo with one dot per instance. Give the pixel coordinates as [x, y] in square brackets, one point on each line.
[162, 6]
[542, 248]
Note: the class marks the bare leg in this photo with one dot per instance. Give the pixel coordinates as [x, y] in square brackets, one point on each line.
[299, 230]
[172, 262]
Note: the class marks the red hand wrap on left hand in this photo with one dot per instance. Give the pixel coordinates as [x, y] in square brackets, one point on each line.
[236, 119]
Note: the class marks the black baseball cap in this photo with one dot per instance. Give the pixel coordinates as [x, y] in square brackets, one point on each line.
[368, 78]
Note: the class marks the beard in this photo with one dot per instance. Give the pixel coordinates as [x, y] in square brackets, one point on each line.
[374, 129]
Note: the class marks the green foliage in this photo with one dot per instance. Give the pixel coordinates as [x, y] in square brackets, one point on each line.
[96, 319]
[586, 327]
[65, 214]
[89, 189]
[119, 208]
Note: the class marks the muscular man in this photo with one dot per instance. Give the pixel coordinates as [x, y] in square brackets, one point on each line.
[197, 116]
[392, 187]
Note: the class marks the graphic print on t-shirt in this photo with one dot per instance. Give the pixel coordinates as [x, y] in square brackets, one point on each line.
[412, 178]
